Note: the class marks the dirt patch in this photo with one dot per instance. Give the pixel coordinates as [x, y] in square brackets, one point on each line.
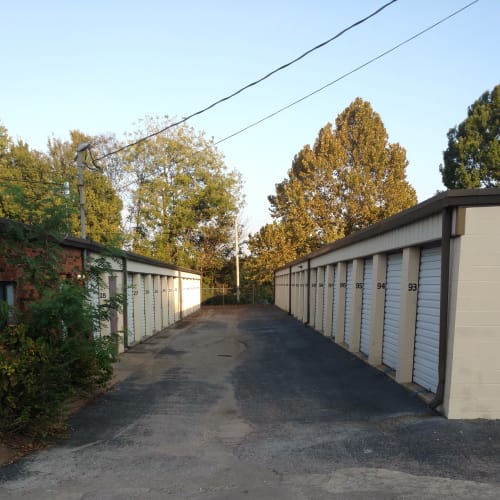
[13, 448]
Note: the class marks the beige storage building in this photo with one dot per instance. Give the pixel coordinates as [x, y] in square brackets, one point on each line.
[417, 295]
[157, 294]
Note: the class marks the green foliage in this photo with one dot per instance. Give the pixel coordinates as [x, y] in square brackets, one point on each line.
[102, 204]
[50, 354]
[184, 200]
[32, 184]
[270, 249]
[350, 178]
[472, 159]
[29, 393]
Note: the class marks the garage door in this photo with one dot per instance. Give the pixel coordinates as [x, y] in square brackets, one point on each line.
[334, 305]
[153, 302]
[130, 310]
[142, 302]
[366, 307]
[312, 296]
[392, 310]
[326, 286]
[164, 302]
[320, 302]
[348, 304]
[426, 355]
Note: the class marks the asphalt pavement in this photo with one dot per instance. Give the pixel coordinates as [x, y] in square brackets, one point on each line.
[244, 402]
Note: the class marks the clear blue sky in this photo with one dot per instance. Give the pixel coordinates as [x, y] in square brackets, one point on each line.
[100, 66]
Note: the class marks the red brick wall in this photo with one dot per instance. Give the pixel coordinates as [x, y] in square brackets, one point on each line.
[71, 267]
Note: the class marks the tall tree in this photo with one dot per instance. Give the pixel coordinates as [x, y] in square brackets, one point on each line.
[28, 189]
[184, 200]
[350, 178]
[472, 159]
[269, 248]
[102, 204]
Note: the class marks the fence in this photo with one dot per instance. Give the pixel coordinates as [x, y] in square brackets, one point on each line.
[219, 296]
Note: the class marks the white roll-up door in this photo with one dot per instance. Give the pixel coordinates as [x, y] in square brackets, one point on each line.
[303, 297]
[392, 310]
[153, 302]
[335, 296]
[130, 310]
[426, 354]
[142, 302]
[318, 322]
[326, 278]
[171, 300]
[366, 307]
[348, 304]
[312, 296]
[164, 301]
[323, 291]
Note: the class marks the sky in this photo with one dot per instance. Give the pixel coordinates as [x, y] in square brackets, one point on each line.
[101, 66]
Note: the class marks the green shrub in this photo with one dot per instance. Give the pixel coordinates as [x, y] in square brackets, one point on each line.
[30, 396]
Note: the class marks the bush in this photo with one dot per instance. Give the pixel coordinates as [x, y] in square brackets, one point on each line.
[38, 375]
[30, 396]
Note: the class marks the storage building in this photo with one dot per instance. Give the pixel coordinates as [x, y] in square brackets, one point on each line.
[416, 295]
[157, 294]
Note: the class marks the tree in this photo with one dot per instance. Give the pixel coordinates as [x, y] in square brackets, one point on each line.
[352, 177]
[184, 201]
[49, 352]
[32, 183]
[472, 159]
[102, 204]
[29, 192]
[269, 249]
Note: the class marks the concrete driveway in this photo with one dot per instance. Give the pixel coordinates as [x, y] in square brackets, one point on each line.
[247, 403]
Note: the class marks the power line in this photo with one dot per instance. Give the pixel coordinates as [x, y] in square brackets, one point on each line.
[345, 75]
[246, 87]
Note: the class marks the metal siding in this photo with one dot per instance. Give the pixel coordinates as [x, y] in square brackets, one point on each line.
[366, 307]
[413, 234]
[348, 304]
[130, 310]
[334, 302]
[426, 354]
[392, 310]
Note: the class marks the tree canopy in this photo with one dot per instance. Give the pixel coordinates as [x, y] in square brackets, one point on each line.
[33, 183]
[183, 200]
[177, 198]
[103, 205]
[472, 159]
[349, 178]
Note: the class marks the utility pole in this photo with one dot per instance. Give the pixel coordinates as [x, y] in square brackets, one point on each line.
[83, 146]
[237, 249]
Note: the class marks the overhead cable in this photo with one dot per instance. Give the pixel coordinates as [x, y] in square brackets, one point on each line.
[345, 75]
[230, 96]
